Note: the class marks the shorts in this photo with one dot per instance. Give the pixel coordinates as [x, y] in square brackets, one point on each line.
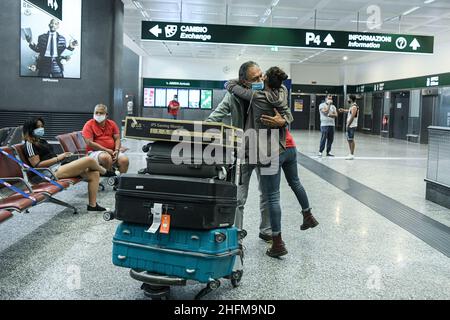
[96, 154]
[351, 134]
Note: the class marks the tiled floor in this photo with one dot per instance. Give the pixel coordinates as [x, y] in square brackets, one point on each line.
[354, 253]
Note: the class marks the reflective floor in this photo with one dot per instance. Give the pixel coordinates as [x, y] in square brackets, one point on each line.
[355, 253]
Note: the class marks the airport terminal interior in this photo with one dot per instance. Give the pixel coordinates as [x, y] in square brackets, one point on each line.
[362, 99]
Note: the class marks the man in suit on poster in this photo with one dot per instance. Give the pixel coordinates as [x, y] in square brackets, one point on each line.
[53, 51]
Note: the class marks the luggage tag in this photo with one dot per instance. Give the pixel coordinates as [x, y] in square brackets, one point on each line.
[165, 223]
[157, 212]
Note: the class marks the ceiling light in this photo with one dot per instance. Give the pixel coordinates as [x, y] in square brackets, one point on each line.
[205, 13]
[429, 1]
[285, 18]
[410, 11]
[245, 15]
[275, 2]
[138, 4]
[345, 58]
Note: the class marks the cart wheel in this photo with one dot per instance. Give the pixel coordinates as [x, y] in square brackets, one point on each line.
[75, 211]
[242, 234]
[236, 278]
[156, 292]
[210, 287]
[111, 181]
[108, 216]
[101, 187]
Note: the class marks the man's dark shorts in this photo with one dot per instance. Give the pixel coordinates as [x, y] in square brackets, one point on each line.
[351, 134]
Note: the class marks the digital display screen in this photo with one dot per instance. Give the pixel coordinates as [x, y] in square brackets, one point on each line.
[194, 99]
[183, 98]
[206, 101]
[160, 98]
[149, 97]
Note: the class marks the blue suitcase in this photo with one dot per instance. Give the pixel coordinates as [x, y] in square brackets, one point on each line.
[189, 254]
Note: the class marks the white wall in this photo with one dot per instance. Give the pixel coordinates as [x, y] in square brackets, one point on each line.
[198, 69]
[393, 67]
[323, 75]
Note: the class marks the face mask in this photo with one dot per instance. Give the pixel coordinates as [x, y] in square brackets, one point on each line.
[258, 86]
[39, 132]
[330, 101]
[99, 119]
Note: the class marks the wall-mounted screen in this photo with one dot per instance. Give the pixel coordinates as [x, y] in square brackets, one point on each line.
[183, 98]
[50, 45]
[206, 101]
[170, 94]
[149, 97]
[188, 98]
[160, 99]
[194, 99]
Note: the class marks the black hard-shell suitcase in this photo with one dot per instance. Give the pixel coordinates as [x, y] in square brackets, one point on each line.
[192, 203]
[159, 161]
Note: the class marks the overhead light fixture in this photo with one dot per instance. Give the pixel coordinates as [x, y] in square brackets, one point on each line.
[247, 15]
[285, 18]
[410, 11]
[275, 2]
[138, 5]
[206, 13]
[429, 1]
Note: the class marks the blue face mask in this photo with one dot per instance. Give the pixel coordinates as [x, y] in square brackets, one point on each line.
[258, 85]
[39, 132]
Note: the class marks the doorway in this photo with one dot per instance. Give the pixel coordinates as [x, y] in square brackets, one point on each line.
[429, 104]
[378, 105]
[301, 109]
[400, 114]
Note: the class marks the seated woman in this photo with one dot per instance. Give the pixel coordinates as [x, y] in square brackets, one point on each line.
[40, 154]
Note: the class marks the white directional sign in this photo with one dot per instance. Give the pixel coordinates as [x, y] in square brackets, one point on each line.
[156, 31]
[415, 44]
[329, 40]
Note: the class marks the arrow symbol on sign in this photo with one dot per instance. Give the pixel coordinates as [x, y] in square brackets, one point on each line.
[329, 40]
[415, 44]
[156, 30]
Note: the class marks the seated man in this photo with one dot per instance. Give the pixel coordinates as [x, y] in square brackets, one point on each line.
[103, 141]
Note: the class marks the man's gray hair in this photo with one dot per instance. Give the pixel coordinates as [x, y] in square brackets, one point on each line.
[101, 106]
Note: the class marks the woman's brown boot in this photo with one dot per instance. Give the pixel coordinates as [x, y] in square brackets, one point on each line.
[308, 221]
[278, 247]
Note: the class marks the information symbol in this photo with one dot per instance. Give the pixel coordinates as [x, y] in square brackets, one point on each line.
[401, 43]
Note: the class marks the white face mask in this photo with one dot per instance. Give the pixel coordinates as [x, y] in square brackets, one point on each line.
[99, 119]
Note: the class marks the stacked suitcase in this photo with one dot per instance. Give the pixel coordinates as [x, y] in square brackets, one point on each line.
[201, 244]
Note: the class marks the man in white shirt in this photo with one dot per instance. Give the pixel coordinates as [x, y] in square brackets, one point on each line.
[328, 114]
[352, 124]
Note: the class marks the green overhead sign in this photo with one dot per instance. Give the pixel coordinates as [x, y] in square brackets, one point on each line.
[411, 83]
[176, 83]
[284, 37]
[52, 7]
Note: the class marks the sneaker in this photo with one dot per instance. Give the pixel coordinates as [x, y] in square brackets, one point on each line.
[320, 155]
[330, 155]
[265, 237]
[350, 157]
[109, 174]
[96, 208]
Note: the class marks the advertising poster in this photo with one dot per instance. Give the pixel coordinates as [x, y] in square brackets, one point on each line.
[50, 45]
[149, 97]
[298, 105]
